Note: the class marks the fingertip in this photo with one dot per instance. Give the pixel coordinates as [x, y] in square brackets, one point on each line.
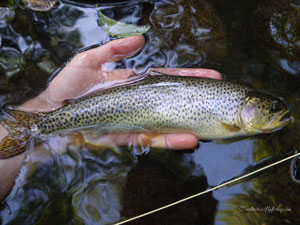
[112, 51]
[181, 141]
[127, 46]
[207, 73]
[213, 74]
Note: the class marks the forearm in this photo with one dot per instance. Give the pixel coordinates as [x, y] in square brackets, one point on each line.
[9, 168]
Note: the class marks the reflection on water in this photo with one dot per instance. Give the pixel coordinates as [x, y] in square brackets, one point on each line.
[282, 42]
[295, 169]
[170, 180]
[70, 186]
[65, 182]
[101, 187]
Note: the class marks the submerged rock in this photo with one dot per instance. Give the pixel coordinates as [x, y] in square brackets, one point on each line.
[191, 28]
[276, 31]
[10, 61]
[39, 5]
[6, 15]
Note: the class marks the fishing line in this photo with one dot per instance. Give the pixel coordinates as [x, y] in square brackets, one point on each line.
[209, 190]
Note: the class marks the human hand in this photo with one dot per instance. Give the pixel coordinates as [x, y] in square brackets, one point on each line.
[87, 69]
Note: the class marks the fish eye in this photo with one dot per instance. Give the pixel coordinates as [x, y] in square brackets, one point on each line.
[274, 107]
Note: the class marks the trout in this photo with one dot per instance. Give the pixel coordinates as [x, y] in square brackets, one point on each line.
[210, 109]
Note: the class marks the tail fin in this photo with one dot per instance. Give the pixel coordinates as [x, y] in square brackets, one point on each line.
[17, 123]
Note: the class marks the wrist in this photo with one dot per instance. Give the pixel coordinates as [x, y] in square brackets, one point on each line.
[38, 104]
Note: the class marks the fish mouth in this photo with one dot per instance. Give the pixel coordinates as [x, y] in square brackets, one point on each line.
[280, 120]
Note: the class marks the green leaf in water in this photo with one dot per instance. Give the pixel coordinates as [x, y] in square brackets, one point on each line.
[119, 29]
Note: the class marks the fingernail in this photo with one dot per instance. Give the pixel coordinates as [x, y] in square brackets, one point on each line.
[123, 41]
[181, 141]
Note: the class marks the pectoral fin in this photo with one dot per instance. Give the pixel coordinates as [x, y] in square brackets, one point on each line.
[230, 127]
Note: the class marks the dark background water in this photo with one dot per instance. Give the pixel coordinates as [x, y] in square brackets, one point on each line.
[252, 42]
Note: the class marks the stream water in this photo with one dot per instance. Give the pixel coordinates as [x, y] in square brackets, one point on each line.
[253, 42]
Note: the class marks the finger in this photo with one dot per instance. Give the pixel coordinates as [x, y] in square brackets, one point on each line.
[194, 72]
[122, 74]
[178, 141]
[110, 52]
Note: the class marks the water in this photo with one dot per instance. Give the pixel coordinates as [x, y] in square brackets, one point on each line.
[252, 42]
